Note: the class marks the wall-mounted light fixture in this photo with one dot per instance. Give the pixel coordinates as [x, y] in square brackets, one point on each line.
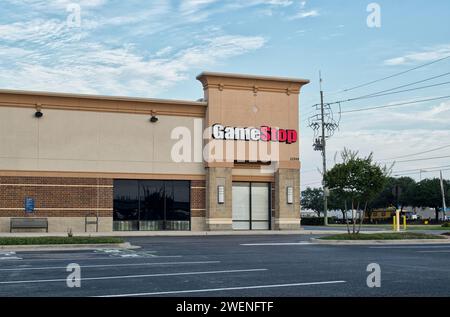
[153, 118]
[220, 194]
[38, 113]
[290, 195]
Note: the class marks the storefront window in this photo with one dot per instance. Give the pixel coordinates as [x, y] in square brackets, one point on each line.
[126, 205]
[178, 213]
[151, 205]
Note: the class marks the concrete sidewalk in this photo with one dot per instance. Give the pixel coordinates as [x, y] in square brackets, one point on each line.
[65, 247]
[179, 233]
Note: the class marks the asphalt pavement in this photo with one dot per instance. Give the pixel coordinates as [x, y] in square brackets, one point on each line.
[223, 266]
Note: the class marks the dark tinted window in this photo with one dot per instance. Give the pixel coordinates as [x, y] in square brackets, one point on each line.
[151, 205]
[126, 205]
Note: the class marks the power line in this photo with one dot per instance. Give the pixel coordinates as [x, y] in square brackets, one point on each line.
[395, 104]
[391, 92]
[387, 92]
[421, 169]
[319, 182]
[394, 75]
[413, 83]
[422, 159]
[418, 153]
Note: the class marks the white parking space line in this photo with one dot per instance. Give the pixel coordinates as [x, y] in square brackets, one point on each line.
[225, 289]
[94, 258]
[9, 255]
[10, 258]
[436, 251]
[110, 265]
[412, 247]
[134, 276]
[276, 243]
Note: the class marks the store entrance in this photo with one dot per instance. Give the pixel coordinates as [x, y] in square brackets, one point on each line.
[251, 206]
[145, 205]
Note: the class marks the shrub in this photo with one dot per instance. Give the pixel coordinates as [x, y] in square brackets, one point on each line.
[318, 221]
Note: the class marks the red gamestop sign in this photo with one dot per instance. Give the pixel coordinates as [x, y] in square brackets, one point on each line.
[264, 133]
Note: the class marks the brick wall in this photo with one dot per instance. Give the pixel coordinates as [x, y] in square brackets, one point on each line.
[56, 196]
[198, 198]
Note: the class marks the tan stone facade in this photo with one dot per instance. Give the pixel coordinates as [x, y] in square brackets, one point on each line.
[69, 159]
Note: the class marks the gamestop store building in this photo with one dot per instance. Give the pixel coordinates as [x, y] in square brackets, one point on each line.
[83, 163]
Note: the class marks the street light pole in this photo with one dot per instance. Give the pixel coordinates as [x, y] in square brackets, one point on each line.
[444, 206]
[324, 156]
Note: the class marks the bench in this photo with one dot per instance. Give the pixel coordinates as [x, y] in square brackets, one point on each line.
[29, 223]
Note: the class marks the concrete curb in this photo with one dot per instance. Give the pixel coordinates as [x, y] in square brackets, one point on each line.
[381, 242]
[182, 233]
[67, 247]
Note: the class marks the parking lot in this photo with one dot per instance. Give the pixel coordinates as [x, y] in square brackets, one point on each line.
[266, 266]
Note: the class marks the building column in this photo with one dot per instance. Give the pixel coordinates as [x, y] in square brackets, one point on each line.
[286, 216]
[219, 216]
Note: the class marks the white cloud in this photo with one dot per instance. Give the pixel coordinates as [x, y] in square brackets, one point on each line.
[87, 67]
[305, 14]
[45, 54]
[426, 55]
[282, 3]
[57, 4]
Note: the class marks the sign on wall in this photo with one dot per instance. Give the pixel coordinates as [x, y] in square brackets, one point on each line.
[29, 205]
[264, 133]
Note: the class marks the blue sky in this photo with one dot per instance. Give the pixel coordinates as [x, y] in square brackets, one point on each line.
[156, 48]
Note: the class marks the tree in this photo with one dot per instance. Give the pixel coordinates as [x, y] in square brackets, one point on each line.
[387, 198]
[428, 194]
[357, 181]
[407, 187]
[312, 198]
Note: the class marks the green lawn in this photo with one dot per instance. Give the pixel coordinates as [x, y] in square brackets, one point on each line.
[58, 240]
[382, 236]
[427, 227]
[408, 227]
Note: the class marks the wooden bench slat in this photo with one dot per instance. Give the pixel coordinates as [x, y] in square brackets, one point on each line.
[29, 223]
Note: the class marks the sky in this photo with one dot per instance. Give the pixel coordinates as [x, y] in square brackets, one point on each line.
[156, 48]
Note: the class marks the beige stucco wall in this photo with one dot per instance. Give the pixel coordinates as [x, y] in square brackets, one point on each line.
[63, 225]
[198, 224]
[218, 215]
[286, 216]
[87, 141]
[250, 102]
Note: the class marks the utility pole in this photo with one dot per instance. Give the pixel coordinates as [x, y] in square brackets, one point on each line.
[324, 156]
[444, 206]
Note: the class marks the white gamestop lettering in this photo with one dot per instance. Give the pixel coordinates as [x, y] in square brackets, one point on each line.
[264, 133]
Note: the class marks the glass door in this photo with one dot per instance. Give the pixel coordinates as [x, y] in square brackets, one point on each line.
[241, 206]
[260, 206]
[251, 206]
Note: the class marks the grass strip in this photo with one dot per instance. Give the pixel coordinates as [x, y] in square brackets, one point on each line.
[383, 236]
[58, 240]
